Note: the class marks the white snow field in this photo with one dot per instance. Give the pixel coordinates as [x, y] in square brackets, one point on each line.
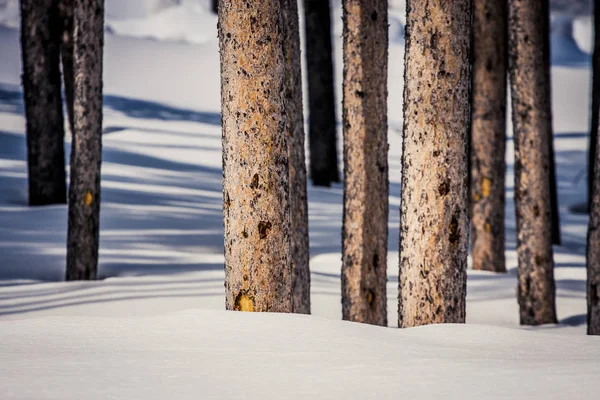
[154, 326]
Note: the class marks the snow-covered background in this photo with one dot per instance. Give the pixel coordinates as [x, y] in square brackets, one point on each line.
[154, 326]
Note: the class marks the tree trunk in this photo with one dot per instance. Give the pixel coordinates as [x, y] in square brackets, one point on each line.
[433, 231]
[40, 41]
[531, 117]
[215, 6]
[488, 135]
[595, 103]
[295, 138]
[66, 52]
[364, 237]
[258, 249]
[321, 97]
[86, 152]
[593, 239]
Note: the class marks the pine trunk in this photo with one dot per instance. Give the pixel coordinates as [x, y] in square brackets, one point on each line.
[595, 103]
[40, 48]
[66, 52]
[86, 152]
[258, 249]
[364, 237]
[531, 117]
[593, 239]
[321, 98]
[433, 231]
[295, 138]
[488, 134]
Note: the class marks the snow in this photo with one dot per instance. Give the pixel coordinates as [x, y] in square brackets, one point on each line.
[154, 326]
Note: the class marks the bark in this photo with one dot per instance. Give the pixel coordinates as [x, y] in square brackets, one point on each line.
[40, 41]
[433, 231]
[530, 91]
[595, 103]
[593, 239]
[321, 98]
[258, 250]
[364, 237]
[66, 53]
[295, 138]
[488, 133]
[86, 152]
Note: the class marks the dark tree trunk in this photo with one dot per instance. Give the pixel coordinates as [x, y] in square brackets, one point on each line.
[321, 97]
[86, 153]
[256, 198]
[434, 220]
[595, 102]
[531, 117]
[593, 239]
[40, 44]
[364, 236]
[66, 52]
[295, 137]
[215, 6]
[488, 131]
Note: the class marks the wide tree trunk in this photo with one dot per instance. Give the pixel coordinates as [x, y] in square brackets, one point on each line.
[531, 117]
[434, 226]
[86, 152]
[488, 132]
[321, 98]
[364, 237]
[593, 239]
[295, 137]
[595, 103]
[256, 199]
[66, 53]
[40, 48]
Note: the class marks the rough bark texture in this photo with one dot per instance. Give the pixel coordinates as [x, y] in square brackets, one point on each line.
[364, 237]
[488, 131]
[258, 249]
[593, 251]
[295, 138]
[321, 98]
[40, 44]
[531, 118]
[86, 152]
[66, 53]
[595, 102]
[434, 228]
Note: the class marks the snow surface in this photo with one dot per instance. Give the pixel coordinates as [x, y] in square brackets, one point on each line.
[154, 326]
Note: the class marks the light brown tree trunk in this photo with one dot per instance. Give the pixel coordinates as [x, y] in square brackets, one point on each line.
[321, 97]
[66, 53]
[488, 132]
[295, 137]
[593, 239]
[530, 93]
[86, 152]
[364, 236]
[40, 41]
[258, 249]
[433, 231]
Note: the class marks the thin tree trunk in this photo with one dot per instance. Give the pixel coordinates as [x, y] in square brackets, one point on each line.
[295, 137]
[488, 133]
[548, 78]
[86, 153]
[258, 250]
[321, 98]
[40, 41]
[66, 52]
[215, 6]
[531, 118]
[595, 103]
[434, 227]
[364, 237]
[593, 239]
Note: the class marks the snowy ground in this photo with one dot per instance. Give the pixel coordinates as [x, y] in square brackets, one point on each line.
[154, 326]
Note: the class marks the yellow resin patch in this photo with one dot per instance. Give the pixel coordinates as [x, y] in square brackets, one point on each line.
[486, 187]
[88, 199]
[245, 303]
